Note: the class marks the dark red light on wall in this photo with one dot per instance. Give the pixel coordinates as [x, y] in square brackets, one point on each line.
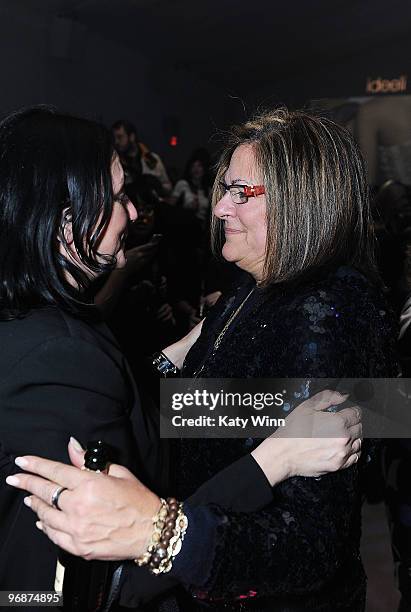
[173, 141]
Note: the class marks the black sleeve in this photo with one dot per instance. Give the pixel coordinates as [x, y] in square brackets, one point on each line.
[64, 387]
[242, 486]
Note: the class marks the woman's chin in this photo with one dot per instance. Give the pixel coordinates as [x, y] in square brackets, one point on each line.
[229, 253]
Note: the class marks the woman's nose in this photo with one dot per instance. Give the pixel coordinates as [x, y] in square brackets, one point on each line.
[225, 207]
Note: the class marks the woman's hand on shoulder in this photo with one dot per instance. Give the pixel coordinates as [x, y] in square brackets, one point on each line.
[314, 441]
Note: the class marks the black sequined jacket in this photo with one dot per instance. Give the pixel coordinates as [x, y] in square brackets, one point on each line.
[302, 551]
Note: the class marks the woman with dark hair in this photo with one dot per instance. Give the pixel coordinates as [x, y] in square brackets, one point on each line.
[63, 222]
[192, 191]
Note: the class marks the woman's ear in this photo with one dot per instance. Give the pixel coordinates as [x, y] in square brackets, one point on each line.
[65, 234]
[65, 237]
[67, 247]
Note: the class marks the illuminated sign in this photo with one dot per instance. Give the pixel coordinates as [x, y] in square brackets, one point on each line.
[380, 85]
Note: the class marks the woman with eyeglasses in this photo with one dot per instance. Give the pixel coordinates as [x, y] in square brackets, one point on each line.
[291, 209]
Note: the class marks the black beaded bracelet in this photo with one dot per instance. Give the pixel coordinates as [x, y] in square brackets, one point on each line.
[164, 366]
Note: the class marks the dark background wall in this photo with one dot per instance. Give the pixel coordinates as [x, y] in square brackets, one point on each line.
[192, 68]
[59, 62]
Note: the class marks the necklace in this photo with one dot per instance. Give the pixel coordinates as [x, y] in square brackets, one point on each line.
[230, 320]
[222, 333]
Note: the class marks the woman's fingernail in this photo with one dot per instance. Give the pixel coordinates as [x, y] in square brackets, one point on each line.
[39, 525]
[27, 501]
[76, 445]
[21, 462]
[13, 481]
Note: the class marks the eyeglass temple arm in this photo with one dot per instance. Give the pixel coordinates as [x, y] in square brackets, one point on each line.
[254, 191]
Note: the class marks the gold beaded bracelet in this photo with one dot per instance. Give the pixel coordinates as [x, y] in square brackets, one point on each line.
[164, 555]
[159, 521]
[169, 528]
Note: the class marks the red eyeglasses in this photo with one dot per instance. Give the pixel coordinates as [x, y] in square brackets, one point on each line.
[240, 193]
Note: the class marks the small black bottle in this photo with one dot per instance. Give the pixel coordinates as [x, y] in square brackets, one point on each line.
[87, 584]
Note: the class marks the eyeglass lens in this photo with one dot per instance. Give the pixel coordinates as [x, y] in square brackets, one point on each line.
[237, 193]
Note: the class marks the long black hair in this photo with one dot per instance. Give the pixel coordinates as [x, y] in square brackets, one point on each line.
[54, 169]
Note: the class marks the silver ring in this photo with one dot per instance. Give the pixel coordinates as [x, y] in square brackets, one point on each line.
[356, 457]
[56, 496]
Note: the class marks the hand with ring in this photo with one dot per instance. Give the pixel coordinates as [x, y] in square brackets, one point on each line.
[94, 516]
[56, 496]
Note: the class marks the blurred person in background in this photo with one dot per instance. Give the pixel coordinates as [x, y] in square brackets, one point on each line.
[137, 159]
[135, 300]
[192, 191]
[192, 194]
[383, 131]
[396, 457]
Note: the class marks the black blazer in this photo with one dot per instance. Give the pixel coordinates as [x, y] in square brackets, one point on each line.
[60, 376]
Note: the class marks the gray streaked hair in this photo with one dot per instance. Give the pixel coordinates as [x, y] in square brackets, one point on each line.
[318, 210]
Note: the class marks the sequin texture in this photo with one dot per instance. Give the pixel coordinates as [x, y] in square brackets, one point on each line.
[302, 550]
